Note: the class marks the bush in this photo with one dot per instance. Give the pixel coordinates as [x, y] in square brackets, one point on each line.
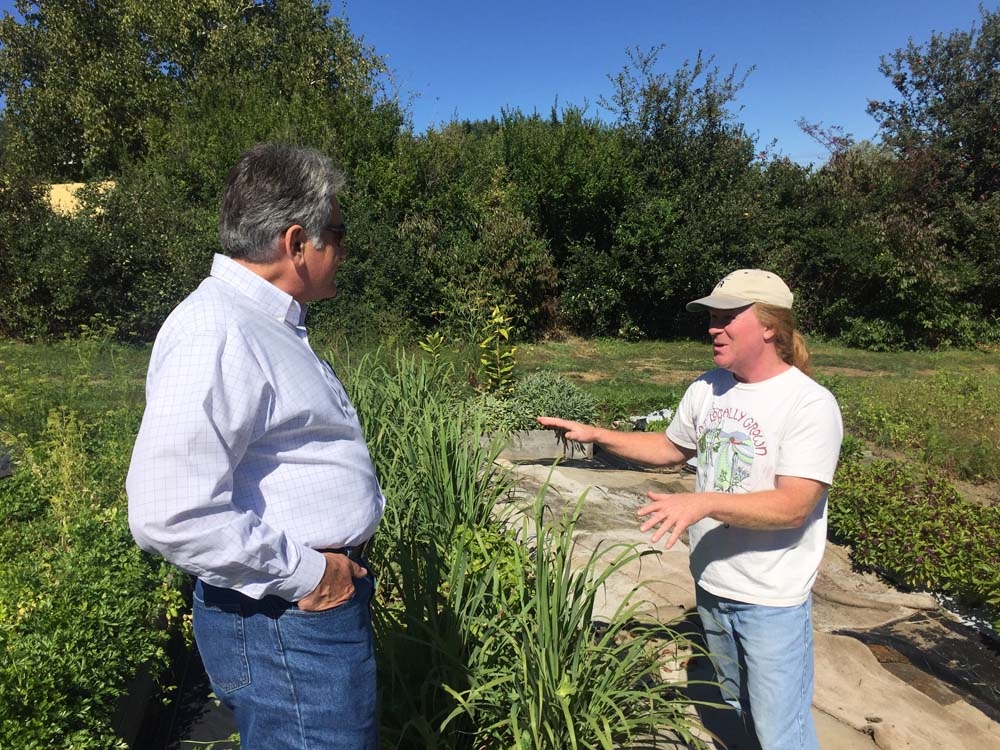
[537, 394]
[915, 528]
[82, 610]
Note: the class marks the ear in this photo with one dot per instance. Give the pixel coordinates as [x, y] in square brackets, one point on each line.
[768, 334]
[293, 244]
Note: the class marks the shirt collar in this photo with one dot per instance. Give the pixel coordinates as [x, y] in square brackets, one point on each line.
[261, 292]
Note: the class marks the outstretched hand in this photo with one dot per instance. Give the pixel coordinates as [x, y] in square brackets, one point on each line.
[581, 433]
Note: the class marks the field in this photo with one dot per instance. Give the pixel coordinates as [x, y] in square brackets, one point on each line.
[940, 408]
[72, 582]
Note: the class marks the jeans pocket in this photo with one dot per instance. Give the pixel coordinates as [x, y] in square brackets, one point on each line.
[219, 633]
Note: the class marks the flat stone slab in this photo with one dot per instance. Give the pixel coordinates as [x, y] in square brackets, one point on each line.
[537, 445]
[861, 701]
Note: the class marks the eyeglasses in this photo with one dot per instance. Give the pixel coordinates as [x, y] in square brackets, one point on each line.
[339, 231]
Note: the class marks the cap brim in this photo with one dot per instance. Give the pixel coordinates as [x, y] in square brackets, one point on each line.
[718, 302]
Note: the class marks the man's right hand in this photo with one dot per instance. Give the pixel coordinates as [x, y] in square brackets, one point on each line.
[336, 586]
[581, 433]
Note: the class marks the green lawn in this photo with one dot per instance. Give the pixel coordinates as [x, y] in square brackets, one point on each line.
[940, 408]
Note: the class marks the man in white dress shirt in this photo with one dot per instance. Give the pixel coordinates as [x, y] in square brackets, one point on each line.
[250, 470]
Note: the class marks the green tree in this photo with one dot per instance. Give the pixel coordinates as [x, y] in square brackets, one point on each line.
[694, 216]
[80, 79]
[942, 129]
[168, 95]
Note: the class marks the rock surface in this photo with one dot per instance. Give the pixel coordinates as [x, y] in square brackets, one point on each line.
[899, 692]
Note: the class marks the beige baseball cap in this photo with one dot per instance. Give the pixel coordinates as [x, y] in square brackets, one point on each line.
[744, 287]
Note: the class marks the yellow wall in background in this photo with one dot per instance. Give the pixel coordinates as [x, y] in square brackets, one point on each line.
[63, 199]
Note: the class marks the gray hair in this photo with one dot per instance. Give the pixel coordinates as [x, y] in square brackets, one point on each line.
[270, 188]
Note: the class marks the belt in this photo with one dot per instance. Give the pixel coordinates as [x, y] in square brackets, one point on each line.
[354, 553]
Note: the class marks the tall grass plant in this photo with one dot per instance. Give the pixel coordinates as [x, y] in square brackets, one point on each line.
[485, 626]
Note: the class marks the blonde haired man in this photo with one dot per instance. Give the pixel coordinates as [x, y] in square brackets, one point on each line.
[767, 439]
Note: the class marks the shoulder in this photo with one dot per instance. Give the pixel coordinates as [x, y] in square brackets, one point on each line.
[806, 387]
[707, 386]
[715, 378]
[713, 382]
[209, 321]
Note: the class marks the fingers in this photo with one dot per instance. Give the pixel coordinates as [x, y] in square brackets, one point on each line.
[336, 586]
[662, 519]
[571, 430]
[556, 423]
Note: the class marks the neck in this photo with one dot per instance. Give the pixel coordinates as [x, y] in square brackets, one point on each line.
[761, 370]
[276, 272]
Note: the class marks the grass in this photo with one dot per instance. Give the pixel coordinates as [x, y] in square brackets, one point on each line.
[88, 376]
[936, 408]
[624, 378]
[941, 408]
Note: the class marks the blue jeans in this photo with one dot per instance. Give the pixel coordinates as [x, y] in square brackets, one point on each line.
[763, 657]
[294, 680]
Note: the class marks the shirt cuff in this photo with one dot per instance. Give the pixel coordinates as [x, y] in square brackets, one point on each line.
[306, 577]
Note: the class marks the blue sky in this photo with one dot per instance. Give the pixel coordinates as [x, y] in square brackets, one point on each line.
[817, 60]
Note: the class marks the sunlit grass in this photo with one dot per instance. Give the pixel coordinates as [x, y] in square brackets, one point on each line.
[942, 408]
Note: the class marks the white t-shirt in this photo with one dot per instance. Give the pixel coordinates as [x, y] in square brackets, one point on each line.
[746, 434]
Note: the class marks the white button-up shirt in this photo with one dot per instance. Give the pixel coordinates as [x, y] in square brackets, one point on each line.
[250, 455]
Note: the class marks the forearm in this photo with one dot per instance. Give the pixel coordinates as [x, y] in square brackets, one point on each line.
[180, 506]
[764, 510]
[648, 448]
[788, 506]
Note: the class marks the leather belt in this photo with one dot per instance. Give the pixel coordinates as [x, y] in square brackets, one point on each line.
[354, 553]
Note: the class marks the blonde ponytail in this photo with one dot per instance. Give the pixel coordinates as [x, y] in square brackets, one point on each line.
[788, 342]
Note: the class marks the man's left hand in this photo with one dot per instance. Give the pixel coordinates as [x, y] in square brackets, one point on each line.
[336, 586]
[673, 513]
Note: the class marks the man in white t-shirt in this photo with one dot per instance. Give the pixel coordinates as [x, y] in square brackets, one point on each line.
[767, 439]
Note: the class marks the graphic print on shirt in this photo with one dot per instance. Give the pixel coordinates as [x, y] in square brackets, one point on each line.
[725, 455]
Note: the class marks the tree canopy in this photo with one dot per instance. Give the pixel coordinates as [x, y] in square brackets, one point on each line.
[568, 222]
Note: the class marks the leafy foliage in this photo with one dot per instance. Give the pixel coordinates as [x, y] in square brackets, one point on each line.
[914, 527]
[485, 630]
[82, 611]
[537, 394]
[947, 420]
[565, 680]
[497, 353]
[566, 222]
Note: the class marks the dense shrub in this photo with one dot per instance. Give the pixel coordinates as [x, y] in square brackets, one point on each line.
[915, 528]
[82, 610]
[536, 394]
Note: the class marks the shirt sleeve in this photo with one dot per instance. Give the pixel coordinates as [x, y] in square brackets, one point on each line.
[810, 445]
[682, 430]
[206, 400]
